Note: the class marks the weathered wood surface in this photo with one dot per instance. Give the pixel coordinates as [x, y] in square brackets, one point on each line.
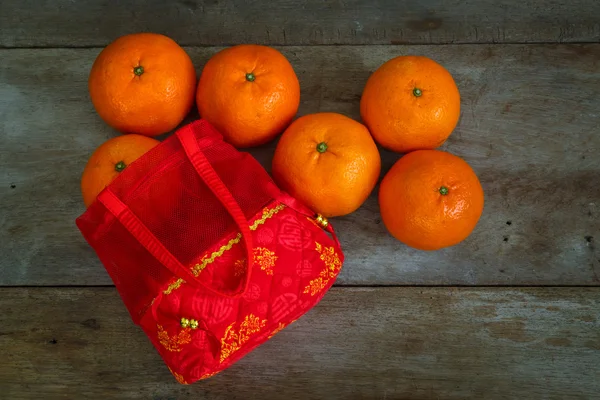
[529, 127]
[65, 23]
[396, 343]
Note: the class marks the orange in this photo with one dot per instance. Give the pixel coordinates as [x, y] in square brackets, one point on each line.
[328, 161]
[108, 160]
[250, 93]
[430, 199]
[143, 83]
[410, 103]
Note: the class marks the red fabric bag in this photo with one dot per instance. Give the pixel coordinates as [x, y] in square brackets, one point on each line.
[209, 256]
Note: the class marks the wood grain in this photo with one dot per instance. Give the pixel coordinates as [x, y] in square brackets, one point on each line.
[529, 127]
[396, 343]
[65, 23]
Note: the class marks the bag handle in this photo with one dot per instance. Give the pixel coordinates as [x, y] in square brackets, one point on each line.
[211, 135]
[155, 247]
[210, 177]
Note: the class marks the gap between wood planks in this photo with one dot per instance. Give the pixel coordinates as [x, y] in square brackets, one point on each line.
[350, 286]
[544, 42]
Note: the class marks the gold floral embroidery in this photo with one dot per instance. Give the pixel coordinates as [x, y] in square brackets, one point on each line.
[179, 377]
[267, 213]
[239, 267]
[173, 343]
[174, 285]
[205, 261]
[332, 268]
[277, 330]
[205, 376]
[232, 341]
[265, 258]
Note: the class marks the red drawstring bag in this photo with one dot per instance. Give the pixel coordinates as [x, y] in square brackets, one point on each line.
[210, 258]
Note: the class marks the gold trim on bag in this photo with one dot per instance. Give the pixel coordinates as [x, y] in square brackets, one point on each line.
[277, 330]
[178, 377]
[232, 341]
[196, 269]
[265, 258]
[174, 285]
[173, 343]
[333, 265]
[267, 213]
[204, 262]
[206, 376]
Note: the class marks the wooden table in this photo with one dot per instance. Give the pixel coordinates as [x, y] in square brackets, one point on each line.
[512, 312]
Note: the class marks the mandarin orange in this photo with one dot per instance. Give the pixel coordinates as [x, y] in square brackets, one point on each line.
[250, 93]
[430, 199]
[109, 159]
[410, 103]
[143, 83]
[328, 161]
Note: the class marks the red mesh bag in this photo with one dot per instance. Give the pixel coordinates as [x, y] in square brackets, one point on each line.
[209, 256]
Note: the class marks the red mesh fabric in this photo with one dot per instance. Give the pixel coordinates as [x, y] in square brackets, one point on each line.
[164, 191]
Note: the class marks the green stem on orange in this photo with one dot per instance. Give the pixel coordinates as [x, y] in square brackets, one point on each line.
[322, 147]
[443, 190]
[139, 70]
[417, 92]
[250, 77]
[120, 166]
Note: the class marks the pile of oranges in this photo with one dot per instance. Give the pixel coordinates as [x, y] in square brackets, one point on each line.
[144, 85]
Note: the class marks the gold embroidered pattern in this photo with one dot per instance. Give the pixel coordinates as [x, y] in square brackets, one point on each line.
[205, 261]
[177, 376]
[265, 258]
[239, 267]
[174, 285]
[332, 268]
[277, 330]
[266, 215]
[205, 376]
[173, 343]
[232, 341]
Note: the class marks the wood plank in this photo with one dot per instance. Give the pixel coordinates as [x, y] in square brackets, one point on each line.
[290, 22]
[529, 128]
[401, 343]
